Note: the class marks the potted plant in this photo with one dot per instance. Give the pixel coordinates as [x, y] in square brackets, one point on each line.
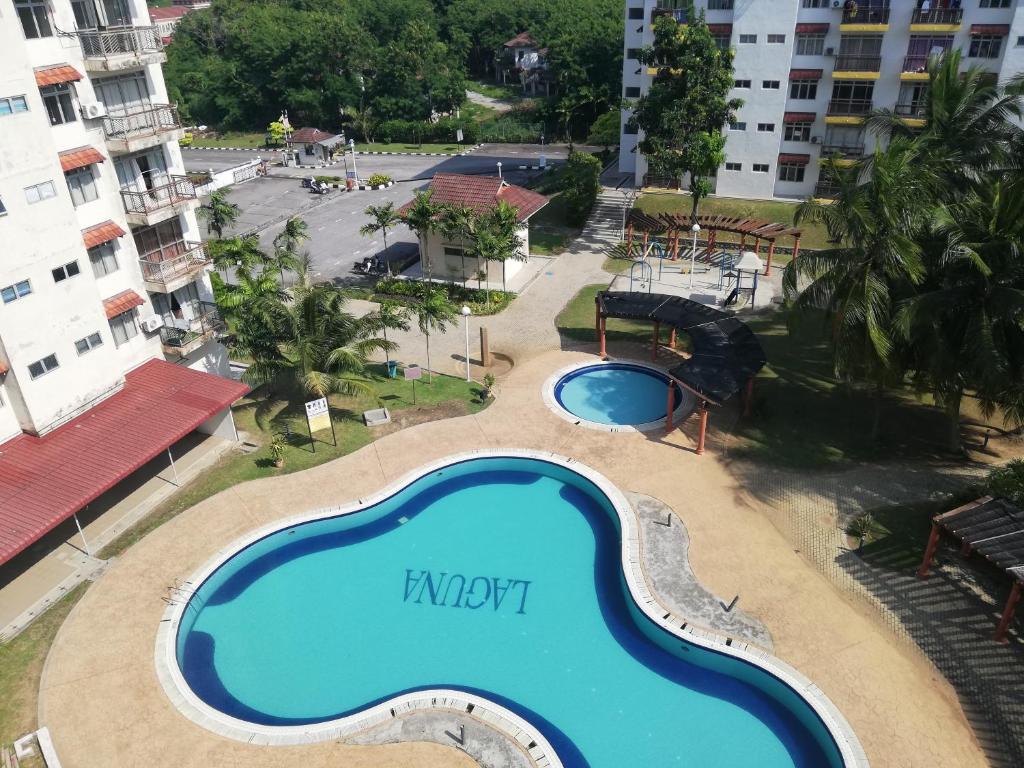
[860, 528]
[277, 446]
[488, 385]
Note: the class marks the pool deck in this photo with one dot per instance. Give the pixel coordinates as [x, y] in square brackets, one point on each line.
[104, 705]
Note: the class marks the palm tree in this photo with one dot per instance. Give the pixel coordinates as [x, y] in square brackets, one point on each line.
[382, 218]
[219, 213]
[390, 315]
[459, 223]
[881, 206]
[237, 253]
[421, 218]
[502, 223]
[434, 312]
[286, 246]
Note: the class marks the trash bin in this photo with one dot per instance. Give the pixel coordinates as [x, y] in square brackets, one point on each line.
[392, 369]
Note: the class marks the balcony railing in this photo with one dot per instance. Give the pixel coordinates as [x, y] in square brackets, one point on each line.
[937, 16]
[149, 120]
[177, 189]
[842, 151]
[849, 107]
[846, 62]
[869, 15]
[914, 110]
[182, 336]
[681, 15]
[119, 42]
[916, 63]
[826, 190]
[190, 257]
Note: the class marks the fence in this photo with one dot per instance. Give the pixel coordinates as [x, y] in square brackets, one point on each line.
[234, 175]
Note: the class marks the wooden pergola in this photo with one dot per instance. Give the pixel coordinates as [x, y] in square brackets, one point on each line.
[993, 528]
[672, 226]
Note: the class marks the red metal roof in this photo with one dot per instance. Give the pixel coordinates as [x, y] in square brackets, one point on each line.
[811, 28]
[101, 233]
[522, 40]
[805, 74]
[121, 303]
[80, 157]
[790, 159]
[720, 29]
[45, 480]
[799, 117]
[481, 193]
[166, 14]
[990, 29]
[55, 74]
[309, 136]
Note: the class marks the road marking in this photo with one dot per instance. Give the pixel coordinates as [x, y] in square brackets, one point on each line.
[353, 212]
[320, 229]
[373, 242]
[337, 220]
[355, 253]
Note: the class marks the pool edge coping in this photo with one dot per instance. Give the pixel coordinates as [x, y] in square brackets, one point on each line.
[687, 404]
[501, 718]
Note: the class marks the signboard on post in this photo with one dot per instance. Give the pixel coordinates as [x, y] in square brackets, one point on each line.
[458, 135]
[412, 373]
[318, 417]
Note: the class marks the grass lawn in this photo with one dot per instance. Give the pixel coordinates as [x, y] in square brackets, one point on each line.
[494, 91]
[814, 235]
[446, 149]
[262, 417]
[21, 665]
[576, 320]
[549, 231]
[232, 139]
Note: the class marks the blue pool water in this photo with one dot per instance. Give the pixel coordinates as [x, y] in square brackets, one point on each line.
[497, 576]
[615, 394]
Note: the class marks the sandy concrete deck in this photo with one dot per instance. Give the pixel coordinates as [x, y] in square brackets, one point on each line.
[101, 699]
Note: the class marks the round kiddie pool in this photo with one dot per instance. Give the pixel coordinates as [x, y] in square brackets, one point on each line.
[616, 395]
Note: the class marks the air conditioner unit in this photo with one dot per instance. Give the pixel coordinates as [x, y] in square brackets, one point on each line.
[94, 110]
[830, 51]
[837, 3]
[815, 139]
[152, 323]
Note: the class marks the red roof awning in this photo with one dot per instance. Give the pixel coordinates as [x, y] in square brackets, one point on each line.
[3, 368]
[56, 74]
[79, 158]
[990, 29]
[793, 159]
[121, 303]
[101, 233]
[45, 480]
[810, 29]
[799, 117]
[805, 74]
[720, 29]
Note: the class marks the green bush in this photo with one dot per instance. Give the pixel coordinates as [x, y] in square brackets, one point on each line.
[418, 132]
[378, 180]
[329, 179]
[477, 300]
[580, 185]
[1007, 481]
[186, 140]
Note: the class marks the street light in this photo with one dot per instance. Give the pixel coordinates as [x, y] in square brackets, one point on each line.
[355, 171]
[466, 312]
[693, 254]
[499, 169]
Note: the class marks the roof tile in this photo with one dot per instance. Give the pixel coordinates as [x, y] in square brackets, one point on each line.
[481, 193]
[121, 303]
[101, 233]
[79, 158]
[56, 74]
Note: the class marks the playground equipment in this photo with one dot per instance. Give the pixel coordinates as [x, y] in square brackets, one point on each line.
[747, 268]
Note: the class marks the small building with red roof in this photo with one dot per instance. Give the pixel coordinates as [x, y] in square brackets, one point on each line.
[522, 60]
[166, 19]
[315, 146]
[448, 257]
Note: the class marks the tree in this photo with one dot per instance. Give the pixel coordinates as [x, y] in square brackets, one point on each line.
[219, 213]
[421, 217]
[237, 254]
[275, 132]
[500, 227]
[382, 218]
[688, 104]
[434, 312]
[459, 223]
[286, 246]
[580, 185]
[605, 130]
[390, 316]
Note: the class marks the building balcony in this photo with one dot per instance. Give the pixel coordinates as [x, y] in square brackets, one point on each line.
[868, 19]
[847, 111]
[183, 337]
[911, 113]
[826, 190]
[141, 129]
[857, 67]
[936, 20]
[915, 67]
[173, 272]
[669, 8]
[151, 205]
[111, 50]
[842, 154]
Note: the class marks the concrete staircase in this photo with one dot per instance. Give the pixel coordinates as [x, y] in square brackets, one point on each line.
[603, 228]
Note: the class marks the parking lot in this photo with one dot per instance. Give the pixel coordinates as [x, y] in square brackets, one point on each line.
[335, 244]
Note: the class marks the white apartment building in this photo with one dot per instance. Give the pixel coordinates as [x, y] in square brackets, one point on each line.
[103, 268]
[808, 72]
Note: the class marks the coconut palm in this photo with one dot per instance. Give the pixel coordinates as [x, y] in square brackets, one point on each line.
[237, 253]
[422, 218]
[390, 315]
[219, 213]
[382, 218]
[286, 256]
[434, 312]
[458, 222]
[502, 225]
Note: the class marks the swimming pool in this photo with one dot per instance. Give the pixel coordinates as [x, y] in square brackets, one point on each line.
[616, 394]
[499, 576]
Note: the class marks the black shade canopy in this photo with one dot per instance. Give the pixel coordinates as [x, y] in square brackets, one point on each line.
[994, 528]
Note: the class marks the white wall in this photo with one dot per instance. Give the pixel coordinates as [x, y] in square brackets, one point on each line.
[451, 267]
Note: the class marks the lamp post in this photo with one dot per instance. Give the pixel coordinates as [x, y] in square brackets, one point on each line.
[355, 171]
[693, 254]
[466, 312]
[499, 169]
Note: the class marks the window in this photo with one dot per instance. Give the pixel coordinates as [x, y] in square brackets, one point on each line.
[40, 367]
[452, 250]
[65, 271]
[721, 40]
[741, 84]
[734, 166]
[803, 89]
[1020, 43]
[14, 292]
[760, 167]
[632, 91]
[737, 126]
[985, 46]
[810, 44]
[797, 132]
[776, 38]
[57, 100]
[35, 18]
[88, 343]
[81, 185]
[814, 3]
[770, 85]
[994, 4]
[720, 5]
[38, 192]
[103, 259]
[636, 13]
[10, 105]
[791, 172]
[632, 53]
[748, 39]
[124, 327]
[766, 127]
